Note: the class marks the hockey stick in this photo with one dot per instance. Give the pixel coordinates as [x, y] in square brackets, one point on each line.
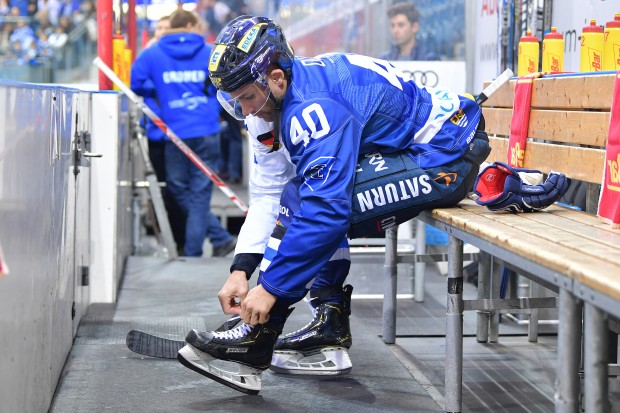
[173, 136]
[164, 348]
[494, 85]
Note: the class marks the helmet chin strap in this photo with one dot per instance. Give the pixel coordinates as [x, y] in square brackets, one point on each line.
[277, 113]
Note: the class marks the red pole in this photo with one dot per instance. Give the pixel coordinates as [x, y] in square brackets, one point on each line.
[132, 29]
[105, 18]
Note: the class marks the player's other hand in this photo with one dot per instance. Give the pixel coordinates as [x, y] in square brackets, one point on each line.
[233, 292]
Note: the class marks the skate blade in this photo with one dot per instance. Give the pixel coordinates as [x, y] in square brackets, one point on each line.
[246, 380]
[336, 362]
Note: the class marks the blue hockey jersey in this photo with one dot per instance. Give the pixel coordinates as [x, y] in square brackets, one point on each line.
[337, 107]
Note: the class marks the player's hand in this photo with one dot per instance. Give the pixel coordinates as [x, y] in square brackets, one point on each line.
[256, 306]
[233, 292]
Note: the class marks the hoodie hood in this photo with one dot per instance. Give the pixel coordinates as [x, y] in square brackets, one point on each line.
[183, 45]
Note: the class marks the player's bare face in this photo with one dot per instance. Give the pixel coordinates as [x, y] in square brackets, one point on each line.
[254, 100]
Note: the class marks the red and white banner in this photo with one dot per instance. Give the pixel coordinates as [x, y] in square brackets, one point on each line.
[609, 204]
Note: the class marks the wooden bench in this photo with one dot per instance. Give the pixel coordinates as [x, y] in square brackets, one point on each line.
[566, 250]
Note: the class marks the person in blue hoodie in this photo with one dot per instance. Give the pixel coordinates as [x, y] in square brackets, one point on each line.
[175, 72]
[157, 144]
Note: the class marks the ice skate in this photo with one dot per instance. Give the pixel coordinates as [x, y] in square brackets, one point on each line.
[321, 347]
[234, 358]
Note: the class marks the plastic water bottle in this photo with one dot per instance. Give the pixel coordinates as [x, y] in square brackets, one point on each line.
[592, 40]
[611, 47]
[553, 52]
[528, 54]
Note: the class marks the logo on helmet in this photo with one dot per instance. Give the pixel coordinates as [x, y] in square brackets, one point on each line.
[216, 55]
[248, 40]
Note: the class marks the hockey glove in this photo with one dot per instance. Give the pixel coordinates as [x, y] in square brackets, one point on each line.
[501, 187]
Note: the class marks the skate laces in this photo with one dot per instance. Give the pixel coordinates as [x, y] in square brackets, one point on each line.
[235, 333]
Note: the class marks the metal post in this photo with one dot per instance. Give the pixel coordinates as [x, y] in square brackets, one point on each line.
[495, 289]
[532, 328]
[132, 29]
[484, 290]
[135, 206]
[596, 356]
[454, 327]
[569, 349]
[167, 238]
[104, 39]
[389, 288]
[420, 267]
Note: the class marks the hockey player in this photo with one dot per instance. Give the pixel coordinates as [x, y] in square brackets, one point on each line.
[272, 171]
[423, 149]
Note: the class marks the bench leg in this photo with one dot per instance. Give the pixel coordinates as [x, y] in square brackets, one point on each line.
[532, 327]
[389, 287]
[569, 353]
[420, 267]
[596, 352]
[484, 290]
[454, 327]
[495, 292]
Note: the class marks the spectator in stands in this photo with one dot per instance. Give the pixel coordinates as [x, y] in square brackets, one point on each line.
[41, 22]
[22, 6]
[66, 23]
[43, 46]
[404, 26]
[17, 53]
[5, 39]
[58, 39]
[68, 7]
[5, 9]
[23, 34]
[175, 71]
[52, 7]
[31, 53]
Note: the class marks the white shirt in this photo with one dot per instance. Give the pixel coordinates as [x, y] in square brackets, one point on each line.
[270, 173]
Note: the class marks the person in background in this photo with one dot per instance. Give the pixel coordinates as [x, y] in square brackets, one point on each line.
[175, 72]
[157, 144]
[230, 165]
[404, 27]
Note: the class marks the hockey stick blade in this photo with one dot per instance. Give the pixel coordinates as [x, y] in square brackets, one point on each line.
[494, 85]
[164, 348]
[153, 346]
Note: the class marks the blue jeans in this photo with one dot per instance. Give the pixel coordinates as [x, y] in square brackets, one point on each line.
[231, 141]
[192, 190]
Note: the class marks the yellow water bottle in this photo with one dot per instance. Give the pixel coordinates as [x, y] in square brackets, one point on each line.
[611, 47]
[592, 40]
[528, 54]
[553, 52]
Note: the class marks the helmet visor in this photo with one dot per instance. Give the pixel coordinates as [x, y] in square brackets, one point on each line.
[250, 99]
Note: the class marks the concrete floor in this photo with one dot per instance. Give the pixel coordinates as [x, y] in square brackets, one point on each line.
[169, 298]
